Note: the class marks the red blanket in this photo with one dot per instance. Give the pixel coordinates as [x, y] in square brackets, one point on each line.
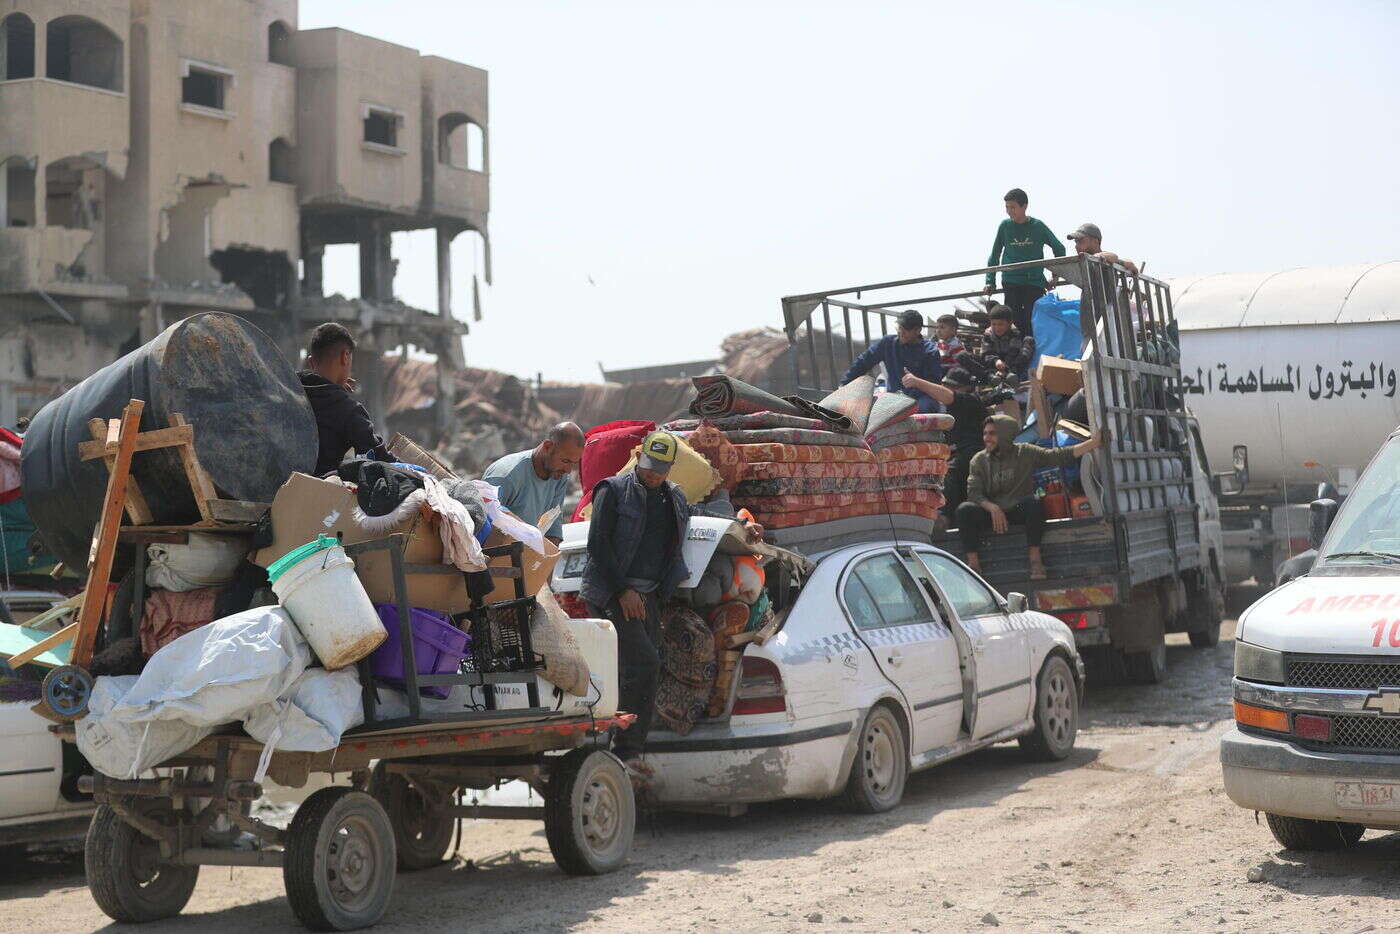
[605, 451]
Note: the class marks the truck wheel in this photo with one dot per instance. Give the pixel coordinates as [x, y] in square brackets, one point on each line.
[1056, 713]
[590, 812]
[881, 766]
[125, 873]
[1207, 609]
[418, 812]
[1148, 667]
[339, 861]
[1298, 833]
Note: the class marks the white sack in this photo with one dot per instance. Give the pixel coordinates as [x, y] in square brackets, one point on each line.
[313, 713]
[121, 748]
[550, 636]
[219, 672]
[207, 561]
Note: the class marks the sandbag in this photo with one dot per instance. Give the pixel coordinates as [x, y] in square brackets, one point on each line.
[312, 714]
[122, 748]
[205, 561]
[550, 636]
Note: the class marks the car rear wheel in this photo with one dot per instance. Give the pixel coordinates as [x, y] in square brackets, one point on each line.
[1299, 833]
[1056, 713]
[881, 766]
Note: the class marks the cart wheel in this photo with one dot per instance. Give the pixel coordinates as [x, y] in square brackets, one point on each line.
[66, 691]
[418, 812]
[124, 872]
[339, 861]
[590, 813]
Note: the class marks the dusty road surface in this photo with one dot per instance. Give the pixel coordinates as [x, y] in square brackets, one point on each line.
[1132, 833]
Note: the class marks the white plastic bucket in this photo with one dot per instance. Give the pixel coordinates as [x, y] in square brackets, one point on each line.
[329, 605]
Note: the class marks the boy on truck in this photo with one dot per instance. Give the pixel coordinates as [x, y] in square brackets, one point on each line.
[1020, 238]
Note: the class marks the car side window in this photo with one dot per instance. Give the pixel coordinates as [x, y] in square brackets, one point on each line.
[881, 593]
[969, 596]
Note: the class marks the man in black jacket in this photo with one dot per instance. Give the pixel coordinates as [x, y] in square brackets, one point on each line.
[341, 422]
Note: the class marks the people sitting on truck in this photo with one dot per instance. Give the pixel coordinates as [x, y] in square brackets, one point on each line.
[635, 563]
[1005, 349]
[1020, 239]
[1088, 238]
[957, 396]
[1001, 485]
[342, 424]
[535, 481]
[947, 341]
[905, 350]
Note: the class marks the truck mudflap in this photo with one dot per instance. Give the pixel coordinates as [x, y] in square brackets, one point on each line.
[1085, 596]
[1278, 777]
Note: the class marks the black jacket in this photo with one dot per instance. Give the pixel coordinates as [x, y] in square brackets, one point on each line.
[615, 533]
[341, 422]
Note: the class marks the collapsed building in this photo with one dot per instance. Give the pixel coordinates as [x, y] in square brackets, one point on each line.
[160, 158]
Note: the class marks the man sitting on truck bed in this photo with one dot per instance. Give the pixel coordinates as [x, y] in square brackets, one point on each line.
[1001, 485]
[905, 351]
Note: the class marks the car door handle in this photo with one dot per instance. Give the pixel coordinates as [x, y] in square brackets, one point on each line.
[979, 649]
[896, 658]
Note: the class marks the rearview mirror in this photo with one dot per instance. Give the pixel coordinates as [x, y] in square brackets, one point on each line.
[1321, 512]
[1015, 603]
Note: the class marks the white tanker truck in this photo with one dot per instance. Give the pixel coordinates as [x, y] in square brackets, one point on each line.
[1295, 378]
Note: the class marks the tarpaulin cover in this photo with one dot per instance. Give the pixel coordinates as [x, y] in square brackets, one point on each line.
[1055, 323]
[18, 529]
[606, 448]
[253, 428]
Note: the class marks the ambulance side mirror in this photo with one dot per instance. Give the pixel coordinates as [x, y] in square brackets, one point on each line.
[1321, 512]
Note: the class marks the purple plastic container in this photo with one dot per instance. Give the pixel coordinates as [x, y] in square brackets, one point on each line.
[438, 647]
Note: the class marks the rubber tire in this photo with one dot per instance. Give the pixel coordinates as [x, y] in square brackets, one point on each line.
[1148, 667]
[1298, 833]
[308, 839]
[569, 798]
[1210, 609]
[416, 849]
[860, 795]
[1042, 745]
[111, 877]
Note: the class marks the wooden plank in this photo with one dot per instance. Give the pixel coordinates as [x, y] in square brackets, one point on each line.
[146, 441]
[237, 510]
[43, 645]
[105, 539]
[199, 480]
[145, 536]
[136, 505]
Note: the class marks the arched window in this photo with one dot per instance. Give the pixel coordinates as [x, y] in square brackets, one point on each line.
[279, 161]
[16, 47]
[84, 51]
[279, 43]
[461, 142]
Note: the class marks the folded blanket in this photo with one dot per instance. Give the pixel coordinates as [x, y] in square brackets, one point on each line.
[803, 502]
[787, 520]
[919, 467]
[889, 407]
[908, 437]
[919, 449]
[793, 436]
[918, 421]
[752, 420]
[710, 443]
[803, 453]
[853, 400]
[764, 470]
[782, 486]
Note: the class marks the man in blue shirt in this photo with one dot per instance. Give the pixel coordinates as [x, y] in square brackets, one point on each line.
[906, 351]
[536, 481]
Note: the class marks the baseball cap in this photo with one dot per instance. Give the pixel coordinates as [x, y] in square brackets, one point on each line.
[911, 320]
[658, 452]
[957, 376]
[1085, 230]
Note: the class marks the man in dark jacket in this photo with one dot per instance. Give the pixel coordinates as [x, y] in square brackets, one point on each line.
[341, 422]
[634, 566]
[907, 351]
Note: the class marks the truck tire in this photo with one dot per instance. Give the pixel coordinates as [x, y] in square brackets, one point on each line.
[339, 861]
[1207, 611]
[125, 875]
[881, 766]
[418, 811]
[590, 812]
[1299, 833]
[1148, 667]
[1056, 713]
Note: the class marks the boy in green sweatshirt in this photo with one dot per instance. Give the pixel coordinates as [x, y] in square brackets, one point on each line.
[1020, 238]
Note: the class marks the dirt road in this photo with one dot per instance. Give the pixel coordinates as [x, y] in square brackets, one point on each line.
[1132, 833]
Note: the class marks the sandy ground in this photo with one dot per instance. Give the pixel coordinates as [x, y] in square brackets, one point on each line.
[1132, 833]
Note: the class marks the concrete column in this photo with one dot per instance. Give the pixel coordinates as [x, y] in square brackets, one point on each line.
[4, 195]
[313, 264]
[444, 271]
[376, 264]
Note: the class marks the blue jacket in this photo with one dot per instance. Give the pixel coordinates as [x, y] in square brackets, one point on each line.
[615, 533]
[921, 359]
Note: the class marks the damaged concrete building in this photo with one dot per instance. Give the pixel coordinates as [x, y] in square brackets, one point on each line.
[159, 158]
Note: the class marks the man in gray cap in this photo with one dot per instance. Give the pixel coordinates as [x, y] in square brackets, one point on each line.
[1088, 238]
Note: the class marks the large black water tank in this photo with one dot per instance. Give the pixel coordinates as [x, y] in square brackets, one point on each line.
[252, 428]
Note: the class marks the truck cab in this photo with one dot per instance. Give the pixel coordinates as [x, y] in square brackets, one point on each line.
[1316, 743]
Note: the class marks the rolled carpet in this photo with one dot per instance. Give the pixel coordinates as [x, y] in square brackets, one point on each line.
[717, 396]
[803, 453]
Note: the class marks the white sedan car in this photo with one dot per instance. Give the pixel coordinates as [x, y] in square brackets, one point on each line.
[891, 658]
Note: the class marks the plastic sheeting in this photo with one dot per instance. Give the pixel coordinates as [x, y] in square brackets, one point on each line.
[1055, 322]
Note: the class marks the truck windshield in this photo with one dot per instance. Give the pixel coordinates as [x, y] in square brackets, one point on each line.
[1367, 529]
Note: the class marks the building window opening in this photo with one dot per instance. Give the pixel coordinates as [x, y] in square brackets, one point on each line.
[461, 143]
[16, 47]
[382, 128]
[279, 43]
[73, 194]
[82, 51]
[204, 88]
[17, 207]
[279, 161]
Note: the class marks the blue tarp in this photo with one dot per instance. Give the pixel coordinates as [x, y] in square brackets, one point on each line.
[1056, 326]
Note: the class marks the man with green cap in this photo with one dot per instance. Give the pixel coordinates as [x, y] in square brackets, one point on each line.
[634, 566]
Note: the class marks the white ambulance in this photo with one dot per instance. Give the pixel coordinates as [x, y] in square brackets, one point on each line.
[1316, 744]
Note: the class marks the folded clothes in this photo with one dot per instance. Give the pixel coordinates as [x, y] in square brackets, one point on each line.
[804, 454]
[918, 449]
[764, 470]
[793, 436]
[802, 502]
[716, 396]
[787, 520]
[752, 420]
[919, 421]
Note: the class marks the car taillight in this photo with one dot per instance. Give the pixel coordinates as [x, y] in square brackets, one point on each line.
[760, 688]
[1310, 726]
[572, 604]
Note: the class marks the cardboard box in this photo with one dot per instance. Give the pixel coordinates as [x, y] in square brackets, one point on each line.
[1059, 375]
[1074, 429]
[537, 567]
[305, 507]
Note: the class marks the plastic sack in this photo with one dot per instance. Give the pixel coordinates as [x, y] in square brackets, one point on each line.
[206, 561]
[312, 715]
[1055, 323]
[122, 748]
[564, 664]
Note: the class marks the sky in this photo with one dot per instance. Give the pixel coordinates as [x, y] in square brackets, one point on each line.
[662, 173]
